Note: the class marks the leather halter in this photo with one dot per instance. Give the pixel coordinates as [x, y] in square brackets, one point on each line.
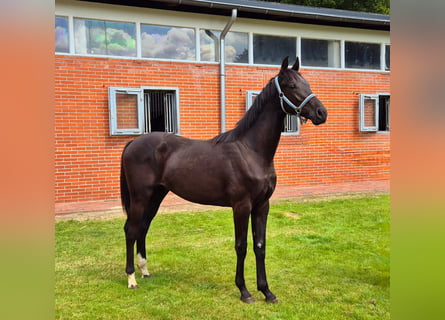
[294, 107]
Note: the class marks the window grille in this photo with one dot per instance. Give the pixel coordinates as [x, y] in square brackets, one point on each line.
[142, 110]
[291, 123]
[374, 112]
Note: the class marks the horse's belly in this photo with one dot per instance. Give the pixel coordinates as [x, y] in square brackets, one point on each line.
[200, 198]
[198, 185]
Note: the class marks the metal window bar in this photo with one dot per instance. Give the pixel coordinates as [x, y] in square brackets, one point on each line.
[160, 106]
[291, 123]
[387, 104]
[157, 110]
[147, 127]
[170, 112]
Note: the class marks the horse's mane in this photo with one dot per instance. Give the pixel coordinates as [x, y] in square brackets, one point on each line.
[249, 119]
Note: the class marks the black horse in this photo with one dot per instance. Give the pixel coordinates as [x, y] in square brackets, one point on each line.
[234, 169]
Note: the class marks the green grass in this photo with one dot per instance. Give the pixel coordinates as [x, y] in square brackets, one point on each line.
[325, 260]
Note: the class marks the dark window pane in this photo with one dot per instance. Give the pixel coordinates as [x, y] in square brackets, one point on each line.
[272, 49]
[384, 102]
[320, 53]
[362, 55]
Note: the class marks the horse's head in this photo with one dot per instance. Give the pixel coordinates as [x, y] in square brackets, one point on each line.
[296, 96]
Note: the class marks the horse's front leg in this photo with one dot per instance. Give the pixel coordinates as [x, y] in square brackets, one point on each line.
[259, 221]
[241, 213]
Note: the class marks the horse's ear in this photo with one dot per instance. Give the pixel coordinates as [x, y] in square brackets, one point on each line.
[285, 64]
[296, 65]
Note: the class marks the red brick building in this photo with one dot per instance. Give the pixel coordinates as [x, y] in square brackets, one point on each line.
[122, 70]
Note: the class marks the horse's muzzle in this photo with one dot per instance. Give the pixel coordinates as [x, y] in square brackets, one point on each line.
[321, 115]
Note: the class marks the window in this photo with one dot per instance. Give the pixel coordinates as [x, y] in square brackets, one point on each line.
[374, 112]
[134, 111]
[383, 116]
[105, 37]
[272, 49]
[61, 35]
[362, 55]
[291, 123]
[387, 56]
[236, 46]
[168, 42]
[119, 39]
[320, 53]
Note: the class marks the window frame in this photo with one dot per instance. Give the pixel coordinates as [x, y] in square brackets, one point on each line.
[337, 63]
[139, 22]
[386, 57]
[376, 98]
[108, 46]
[112, 107]
[141, 110]
[68, 35]
[279, 58]
[288, 118]
[139, 38]
[353, 67]
[177, 113]
[388, 112]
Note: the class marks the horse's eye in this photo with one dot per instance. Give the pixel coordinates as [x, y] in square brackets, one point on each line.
[293, 86]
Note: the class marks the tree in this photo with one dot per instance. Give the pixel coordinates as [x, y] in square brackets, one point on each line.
[375, 6]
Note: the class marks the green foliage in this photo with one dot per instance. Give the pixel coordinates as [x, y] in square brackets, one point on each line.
[375, 6]
[325, 260]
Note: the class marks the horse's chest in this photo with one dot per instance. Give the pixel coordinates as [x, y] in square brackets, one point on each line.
[255, 176]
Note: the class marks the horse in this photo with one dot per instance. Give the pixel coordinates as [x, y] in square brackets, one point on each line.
[234, 169]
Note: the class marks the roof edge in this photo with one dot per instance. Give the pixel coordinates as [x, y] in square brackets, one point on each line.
[268, 11]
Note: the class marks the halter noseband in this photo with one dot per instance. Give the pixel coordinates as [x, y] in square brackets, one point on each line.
[294, 107]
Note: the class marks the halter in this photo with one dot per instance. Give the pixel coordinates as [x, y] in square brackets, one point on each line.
[294, 107]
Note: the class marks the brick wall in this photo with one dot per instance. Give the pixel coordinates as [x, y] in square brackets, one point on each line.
[87, 158]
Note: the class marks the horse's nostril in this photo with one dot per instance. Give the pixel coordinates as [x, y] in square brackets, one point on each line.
[321, 113]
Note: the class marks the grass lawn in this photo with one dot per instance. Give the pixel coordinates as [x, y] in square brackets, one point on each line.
[325, 260]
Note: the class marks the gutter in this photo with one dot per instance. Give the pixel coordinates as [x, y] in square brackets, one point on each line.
[275, 11]
[222, 69]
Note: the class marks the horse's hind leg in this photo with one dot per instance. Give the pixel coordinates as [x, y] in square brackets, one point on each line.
[132, 230]
[142, 209]
[150, 211]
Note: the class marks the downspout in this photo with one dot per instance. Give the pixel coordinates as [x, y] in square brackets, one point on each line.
[222, 73]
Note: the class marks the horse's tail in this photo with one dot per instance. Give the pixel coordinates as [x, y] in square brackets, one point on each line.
[125, 194]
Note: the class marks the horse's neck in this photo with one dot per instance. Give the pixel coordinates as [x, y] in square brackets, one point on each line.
[263, 137]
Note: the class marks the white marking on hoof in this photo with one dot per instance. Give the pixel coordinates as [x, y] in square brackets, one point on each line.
[132, 284]
[142, 264]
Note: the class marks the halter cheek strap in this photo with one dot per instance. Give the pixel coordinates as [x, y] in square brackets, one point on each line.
[294, 107]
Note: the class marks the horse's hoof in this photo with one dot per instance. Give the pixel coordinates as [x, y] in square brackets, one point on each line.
[146, 276]
[248, 300]
[133, 286]
[274, 300]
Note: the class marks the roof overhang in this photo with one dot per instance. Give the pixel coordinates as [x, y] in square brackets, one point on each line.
[267, 11]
